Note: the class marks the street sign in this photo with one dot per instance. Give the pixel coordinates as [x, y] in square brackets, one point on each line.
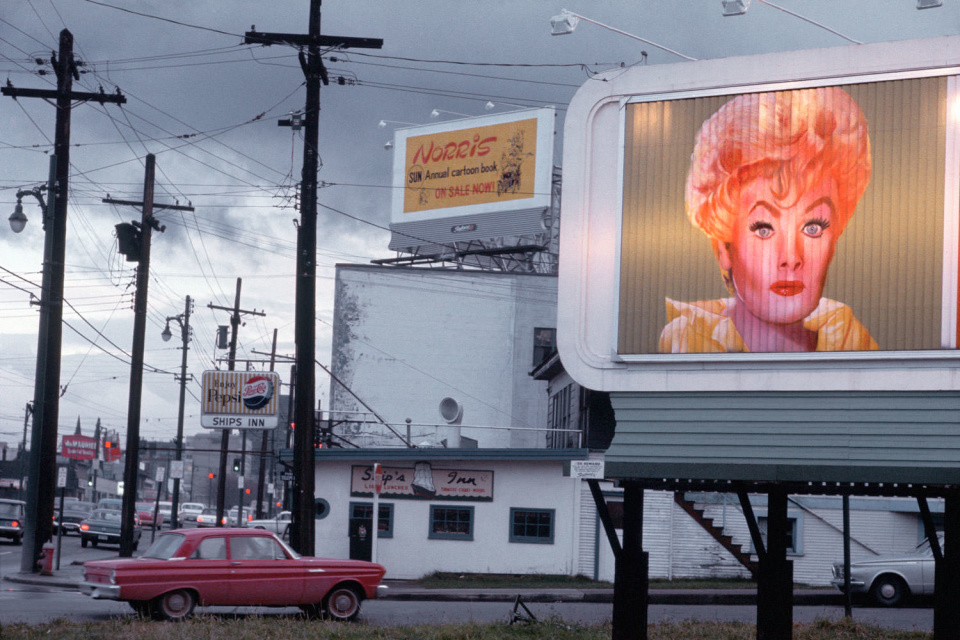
[286, 476]
[160, 473]
[176, 469]
[61, 477]
[239, 482]
[377, 478]
[587, 469]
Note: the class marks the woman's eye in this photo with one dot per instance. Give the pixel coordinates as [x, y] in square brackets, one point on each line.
[813, 229]
[762, 230]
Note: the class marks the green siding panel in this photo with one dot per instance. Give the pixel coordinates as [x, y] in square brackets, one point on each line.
[799, 436]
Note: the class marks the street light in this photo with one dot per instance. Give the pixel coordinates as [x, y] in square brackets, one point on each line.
[184, 321]
[17, 219]
[567, 21]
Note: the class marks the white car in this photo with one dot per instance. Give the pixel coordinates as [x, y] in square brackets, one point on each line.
[891, 579]
[279, 524]
[190, 509]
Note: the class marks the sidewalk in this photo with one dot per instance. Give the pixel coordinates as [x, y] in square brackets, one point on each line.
[70, 576]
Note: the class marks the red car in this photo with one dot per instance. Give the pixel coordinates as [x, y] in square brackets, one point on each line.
[231, 567]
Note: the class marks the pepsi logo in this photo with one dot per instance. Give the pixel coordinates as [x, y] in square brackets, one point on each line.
[257, 392]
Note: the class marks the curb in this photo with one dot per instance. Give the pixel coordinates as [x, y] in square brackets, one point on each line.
[802, 597]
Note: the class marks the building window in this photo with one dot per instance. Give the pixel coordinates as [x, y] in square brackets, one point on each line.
[451, 523]
[794, 534]
[544, 344]
[561, 416]
[531, 525]
[364, 511]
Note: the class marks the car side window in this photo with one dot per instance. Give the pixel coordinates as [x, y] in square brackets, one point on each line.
[251, 548]
[210, 549]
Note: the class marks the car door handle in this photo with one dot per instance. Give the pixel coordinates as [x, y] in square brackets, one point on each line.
[235, 564]
[315, 571]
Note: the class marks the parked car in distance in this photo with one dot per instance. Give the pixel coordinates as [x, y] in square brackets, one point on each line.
[145, 511]
[231, 567]
[188, 508]
[74, 513]
[11, 519]
[116, 504]
[166, 508]
[208, 518]
[890, 579]
[232, 517]
[279, 524]
[103, 527]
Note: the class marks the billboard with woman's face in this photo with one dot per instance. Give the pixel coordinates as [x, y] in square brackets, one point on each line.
[795, 220]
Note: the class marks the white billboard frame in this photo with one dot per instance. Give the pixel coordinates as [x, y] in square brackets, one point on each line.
[227, 390]
[592, 208]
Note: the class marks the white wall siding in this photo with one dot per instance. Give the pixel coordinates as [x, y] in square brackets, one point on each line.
[406, 338]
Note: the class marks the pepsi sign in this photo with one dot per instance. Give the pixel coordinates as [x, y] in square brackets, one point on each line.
[240, 400]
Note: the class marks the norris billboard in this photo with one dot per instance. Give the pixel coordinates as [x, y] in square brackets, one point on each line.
[478, 178]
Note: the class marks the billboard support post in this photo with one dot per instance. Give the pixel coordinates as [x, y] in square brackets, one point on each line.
[631, 580]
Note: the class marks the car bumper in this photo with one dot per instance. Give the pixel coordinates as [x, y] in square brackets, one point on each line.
[100, 591]
[856, 586]
[381, 591]
[10, 532]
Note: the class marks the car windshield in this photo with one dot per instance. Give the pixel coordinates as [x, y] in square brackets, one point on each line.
[106, 514]
[165, 546]
[9, 509]
[209, 511]
[144, 506]
[924, 547]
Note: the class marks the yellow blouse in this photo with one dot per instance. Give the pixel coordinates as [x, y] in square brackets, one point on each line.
[704, 327]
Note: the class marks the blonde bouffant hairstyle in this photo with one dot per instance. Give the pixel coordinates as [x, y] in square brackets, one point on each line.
[793, 138]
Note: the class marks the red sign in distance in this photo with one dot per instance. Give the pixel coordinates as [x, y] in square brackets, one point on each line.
[377, 477]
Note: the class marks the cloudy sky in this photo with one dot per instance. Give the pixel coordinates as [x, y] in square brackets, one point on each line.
[207, 106]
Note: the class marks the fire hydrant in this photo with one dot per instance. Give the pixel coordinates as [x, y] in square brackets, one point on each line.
[45, 561]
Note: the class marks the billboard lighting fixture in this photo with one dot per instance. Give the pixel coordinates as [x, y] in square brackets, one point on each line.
[384, 123]
[739, 7]
[388, 145]
[436, 113]
[567, 21]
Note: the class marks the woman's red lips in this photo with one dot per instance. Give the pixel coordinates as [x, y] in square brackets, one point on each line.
[787, 288]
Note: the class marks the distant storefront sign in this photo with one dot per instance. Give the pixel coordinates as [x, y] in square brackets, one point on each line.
[78, 447]
[423, 482]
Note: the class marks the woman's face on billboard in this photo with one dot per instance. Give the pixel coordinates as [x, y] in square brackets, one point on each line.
[780, 250]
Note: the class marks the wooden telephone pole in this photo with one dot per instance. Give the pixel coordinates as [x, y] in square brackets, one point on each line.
[302, 531]
[137, 250]
[46, 404]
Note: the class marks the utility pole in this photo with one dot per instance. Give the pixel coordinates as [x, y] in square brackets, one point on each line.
[303, 530]
[134, 239]
[96, 461]
[235, 312]
[184, 321]
[263, 439]
[41, 483]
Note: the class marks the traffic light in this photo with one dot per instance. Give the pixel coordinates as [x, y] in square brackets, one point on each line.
[236, 464]
[211, 475]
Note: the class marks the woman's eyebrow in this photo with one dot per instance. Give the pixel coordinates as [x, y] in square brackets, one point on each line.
[825, 200]
[771, 209]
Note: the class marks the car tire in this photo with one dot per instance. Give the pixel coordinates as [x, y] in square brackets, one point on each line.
[889, 591]
[175, 605]
[18, 539]
[93, 542]
[83, 542]
[342, 604]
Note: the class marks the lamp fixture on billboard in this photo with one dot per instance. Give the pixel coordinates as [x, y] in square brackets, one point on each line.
[567, 21]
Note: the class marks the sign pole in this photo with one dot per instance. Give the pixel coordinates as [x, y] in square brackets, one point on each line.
[377, 487]
[62, 484]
